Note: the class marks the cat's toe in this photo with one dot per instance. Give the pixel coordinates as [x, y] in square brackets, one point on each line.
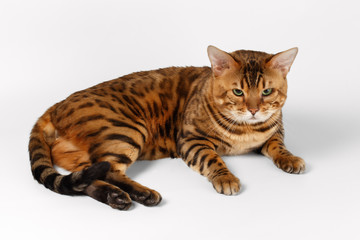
[227, 184]
[291, 164]
[118, 200]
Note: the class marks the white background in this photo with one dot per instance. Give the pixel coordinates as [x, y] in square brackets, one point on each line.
[49, 49]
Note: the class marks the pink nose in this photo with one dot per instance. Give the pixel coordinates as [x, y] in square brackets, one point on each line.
[253, 110]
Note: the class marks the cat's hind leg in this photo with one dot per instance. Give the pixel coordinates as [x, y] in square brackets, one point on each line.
[121, 151]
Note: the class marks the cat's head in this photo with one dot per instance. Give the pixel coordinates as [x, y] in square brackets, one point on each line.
[248, 86]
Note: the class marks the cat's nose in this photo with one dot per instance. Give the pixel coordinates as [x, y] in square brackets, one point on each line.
[253, 110]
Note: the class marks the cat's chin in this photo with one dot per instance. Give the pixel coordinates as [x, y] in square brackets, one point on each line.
[250, 121]
[254, 120]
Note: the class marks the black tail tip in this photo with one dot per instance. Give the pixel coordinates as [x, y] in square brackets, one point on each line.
[96, 171]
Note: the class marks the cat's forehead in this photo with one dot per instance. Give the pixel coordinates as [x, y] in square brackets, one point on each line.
[252, 65]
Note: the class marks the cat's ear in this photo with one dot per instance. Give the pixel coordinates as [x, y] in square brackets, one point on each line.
[283, 60]
[220, 60]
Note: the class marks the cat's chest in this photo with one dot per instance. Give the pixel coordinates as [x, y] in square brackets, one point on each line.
[244, 143]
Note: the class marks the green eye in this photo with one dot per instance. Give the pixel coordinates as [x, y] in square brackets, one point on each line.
[238, 92]
[267, 92]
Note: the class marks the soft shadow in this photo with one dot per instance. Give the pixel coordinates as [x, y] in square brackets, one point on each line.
[161, 204]
[139, 167]
[242, 189]
[316, 132]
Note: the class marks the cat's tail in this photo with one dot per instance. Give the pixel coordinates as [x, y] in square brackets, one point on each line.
[41, 138]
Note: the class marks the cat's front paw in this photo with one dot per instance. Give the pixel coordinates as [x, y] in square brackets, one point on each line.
[226, 184]
[290, 164]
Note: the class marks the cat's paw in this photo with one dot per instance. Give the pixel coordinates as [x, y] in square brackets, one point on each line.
[146, 196]
[227, 184]
[118, 199]
[290, 164]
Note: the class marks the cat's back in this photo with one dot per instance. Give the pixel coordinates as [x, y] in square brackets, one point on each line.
[151, 101]
[165, 85]
[177, 79]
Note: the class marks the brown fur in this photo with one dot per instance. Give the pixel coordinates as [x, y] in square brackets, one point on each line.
[188, 112]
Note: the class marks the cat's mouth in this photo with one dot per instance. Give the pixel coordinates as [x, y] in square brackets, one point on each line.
[254, 119]
[246, 118]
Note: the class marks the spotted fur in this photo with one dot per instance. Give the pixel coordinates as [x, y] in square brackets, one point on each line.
[190, 113]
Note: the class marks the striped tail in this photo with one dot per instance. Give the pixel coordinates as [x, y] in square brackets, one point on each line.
[42, 136]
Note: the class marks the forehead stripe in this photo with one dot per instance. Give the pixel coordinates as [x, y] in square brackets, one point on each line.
[252, 73]
[258, 80]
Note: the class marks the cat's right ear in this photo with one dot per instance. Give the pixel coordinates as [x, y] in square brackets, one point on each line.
[220, 61]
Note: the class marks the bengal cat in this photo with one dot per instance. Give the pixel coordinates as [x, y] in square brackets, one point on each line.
[196, 113]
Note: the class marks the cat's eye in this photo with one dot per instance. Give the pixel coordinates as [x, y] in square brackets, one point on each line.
[238, 92]
[267, 92]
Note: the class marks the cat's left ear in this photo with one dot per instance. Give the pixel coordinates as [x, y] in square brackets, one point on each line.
[220, 61]
[283, 60]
